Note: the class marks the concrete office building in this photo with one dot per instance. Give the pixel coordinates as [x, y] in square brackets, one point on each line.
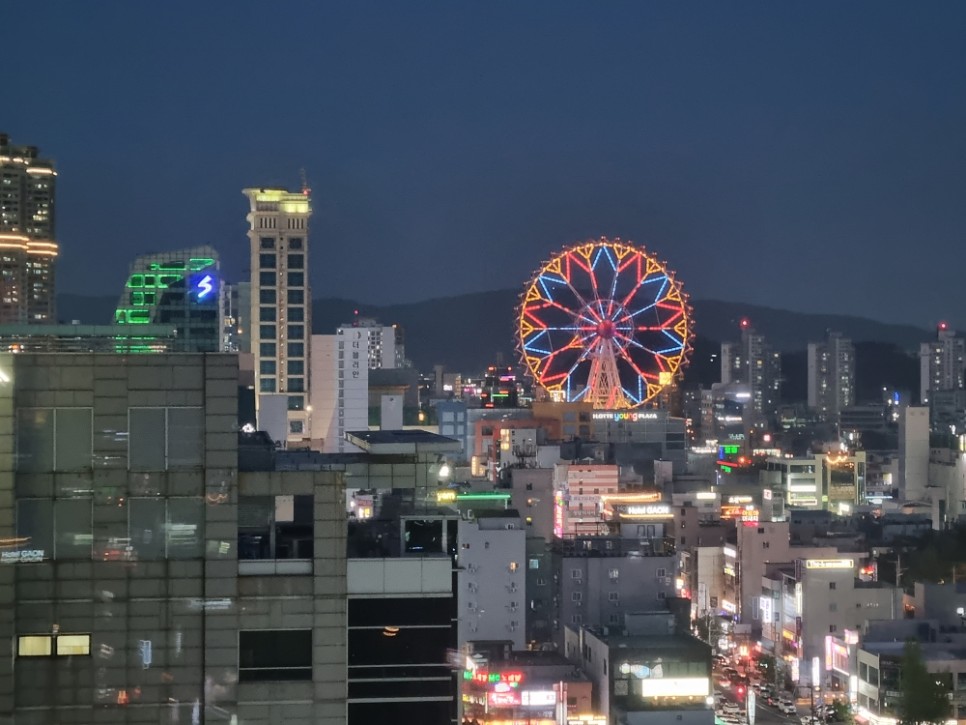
[831, 376]
[491, 578]
[600, 579]
[402, 628]
[644, 672]
[913, 453]
[28, 246]
[150, 577]
[281, 303]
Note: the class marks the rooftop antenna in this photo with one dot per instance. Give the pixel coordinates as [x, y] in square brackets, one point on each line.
[305, 182]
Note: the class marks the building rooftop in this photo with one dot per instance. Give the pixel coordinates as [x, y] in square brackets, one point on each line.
[402, 441]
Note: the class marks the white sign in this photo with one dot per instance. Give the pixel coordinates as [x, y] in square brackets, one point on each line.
[655, 509]
[633, 417]
[830, 563]
[22, 557]
[750, 703]
[538, 698]
[675, 687]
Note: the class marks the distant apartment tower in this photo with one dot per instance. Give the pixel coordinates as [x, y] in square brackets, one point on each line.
[27, 236]
[941, 363]
[281, 302]
[384, 350]
[179, 289]
[831, 375]
[752, 361]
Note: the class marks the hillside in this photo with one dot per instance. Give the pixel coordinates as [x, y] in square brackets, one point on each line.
[469, 331]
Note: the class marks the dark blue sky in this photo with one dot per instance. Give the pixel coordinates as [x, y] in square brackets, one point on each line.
[810, 156]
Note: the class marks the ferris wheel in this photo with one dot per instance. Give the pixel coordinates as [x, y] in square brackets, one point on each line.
[604, 322]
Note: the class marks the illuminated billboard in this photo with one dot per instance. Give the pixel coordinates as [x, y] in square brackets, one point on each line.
[830, 563]
[675, 687]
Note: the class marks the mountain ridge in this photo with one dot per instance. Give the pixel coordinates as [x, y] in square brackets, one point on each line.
[482, 325]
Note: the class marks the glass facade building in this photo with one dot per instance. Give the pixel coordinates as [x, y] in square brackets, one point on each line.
[179, 289]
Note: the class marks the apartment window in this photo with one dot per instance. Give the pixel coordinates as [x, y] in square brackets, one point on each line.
[662, 572]
[267, 261]
[54, 439]
[266, 314]
[266, 385]
[295, 426]
[266, 332]
[576, 619]
[661, 595]
[613, 619]
[296, 367]
[613, 596]
[296, 314]
[54, 645]
[267, 243]
[296, 385]
[831, 585]
[296, 261]
[575, 574]
[832, 628]
[160, 529]
[614, 573]
[296, 349]
[296, 402]
[296, 297]
[576, 596]
[267, 296]
[274, 654]
[296, 332]
[275, 527]
[266, 367]
[534, 563]
[267, 349]
[266, 279]
[296, 279]
[160, 439]
[295, 243]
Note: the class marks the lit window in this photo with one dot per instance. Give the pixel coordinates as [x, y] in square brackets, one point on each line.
[513, 566]
[73, 644]
[34, 646]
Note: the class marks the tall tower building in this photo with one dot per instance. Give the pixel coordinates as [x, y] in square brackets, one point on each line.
[27, 236]
[752, 361]
[831, 375]
[281, 308]
[941, 363]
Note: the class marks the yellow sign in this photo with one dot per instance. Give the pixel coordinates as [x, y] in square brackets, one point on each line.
[445, 495]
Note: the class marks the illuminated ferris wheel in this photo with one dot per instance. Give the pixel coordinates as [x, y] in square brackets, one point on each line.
[604, 322]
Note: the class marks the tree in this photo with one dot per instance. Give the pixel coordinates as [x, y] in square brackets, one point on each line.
[923, 698]
[842, 712]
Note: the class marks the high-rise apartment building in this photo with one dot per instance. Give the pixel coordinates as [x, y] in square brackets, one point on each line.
[27, 235]
[752, 361]
[942, 363]
[384, 346]
[281, 303]
[831, 375]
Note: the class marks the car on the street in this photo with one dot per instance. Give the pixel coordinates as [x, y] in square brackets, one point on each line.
[786, 707]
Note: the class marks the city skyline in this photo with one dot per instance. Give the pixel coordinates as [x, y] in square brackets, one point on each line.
[443, 144]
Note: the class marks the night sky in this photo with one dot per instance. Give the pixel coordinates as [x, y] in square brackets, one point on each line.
[807, 156]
